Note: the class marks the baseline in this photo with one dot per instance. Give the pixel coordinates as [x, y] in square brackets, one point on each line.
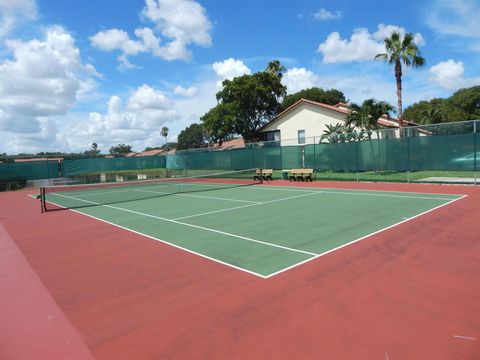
[364, 237]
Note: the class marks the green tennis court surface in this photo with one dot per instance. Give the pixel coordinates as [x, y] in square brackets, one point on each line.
[263, 230]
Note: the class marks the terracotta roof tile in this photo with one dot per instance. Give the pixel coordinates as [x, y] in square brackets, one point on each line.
[230, 144]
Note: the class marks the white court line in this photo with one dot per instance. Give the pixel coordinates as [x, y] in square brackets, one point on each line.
[163, 241]
[311, 188]
[197, 196]
[465, 337]
[244, 206]
[194, 226]
[358, 192]
[249, 271]
[362, 238]
[100, 193]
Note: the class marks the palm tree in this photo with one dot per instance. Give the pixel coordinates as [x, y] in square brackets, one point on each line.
[275, 68]
[331, 132]
[366, 116]
[401, 50]
[164, 133]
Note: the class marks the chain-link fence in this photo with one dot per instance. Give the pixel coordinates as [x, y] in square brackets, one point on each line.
[447, 150]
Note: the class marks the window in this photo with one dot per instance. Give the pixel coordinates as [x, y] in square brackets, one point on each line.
[301, 136]
[272, 135]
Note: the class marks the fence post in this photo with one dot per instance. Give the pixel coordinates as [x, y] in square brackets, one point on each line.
[475, 153]
[303, 156]
[356, 156]
[408, 159]
[281, 156]
[185, 160]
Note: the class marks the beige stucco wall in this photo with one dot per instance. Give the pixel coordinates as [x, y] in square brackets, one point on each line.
[311, 118]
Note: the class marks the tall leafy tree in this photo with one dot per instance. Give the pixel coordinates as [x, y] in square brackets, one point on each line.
[219, 122]
[433, 115]
[246, 103]
[120, 149]
[401, 50]
[467, 101]
[330, 97]
[192, 136]
[462, 105]
[93, 150]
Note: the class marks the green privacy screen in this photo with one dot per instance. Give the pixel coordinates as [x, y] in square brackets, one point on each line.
[449, 152]
[368, 155]
[454, 147]
[237, 159]
[102, 165]
[33, 170]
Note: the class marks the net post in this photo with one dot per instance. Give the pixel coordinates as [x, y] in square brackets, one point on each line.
[43, 207]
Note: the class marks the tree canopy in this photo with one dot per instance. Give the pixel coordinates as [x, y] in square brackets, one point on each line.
[191, 137]
[120, 149]
[93, 150]
[330, 97]
[464, 104]
[246, 103]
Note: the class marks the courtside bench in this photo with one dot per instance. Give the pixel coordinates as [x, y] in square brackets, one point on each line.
[265, 174]
[300, 175]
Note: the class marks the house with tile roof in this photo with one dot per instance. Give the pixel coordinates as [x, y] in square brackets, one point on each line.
[305, 121]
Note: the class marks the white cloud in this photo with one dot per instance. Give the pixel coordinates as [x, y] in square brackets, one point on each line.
[187, 92]
[455, 17]
[178, 24]
[230, 68]
[183, 21]
[11, 12]
[450, 75]
[384, 31]
[362, 46]
[137, 123]
[148, 98]
[114, 39]
[44, 139]
[458, 18]
[326, 15]
[297, 79]
[41, 79]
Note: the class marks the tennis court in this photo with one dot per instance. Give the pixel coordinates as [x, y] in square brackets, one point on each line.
[218, 266]
[257, 228]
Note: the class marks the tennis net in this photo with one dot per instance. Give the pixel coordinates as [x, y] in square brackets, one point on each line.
[85, 195]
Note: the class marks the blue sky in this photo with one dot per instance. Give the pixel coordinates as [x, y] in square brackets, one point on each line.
[73, 73]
